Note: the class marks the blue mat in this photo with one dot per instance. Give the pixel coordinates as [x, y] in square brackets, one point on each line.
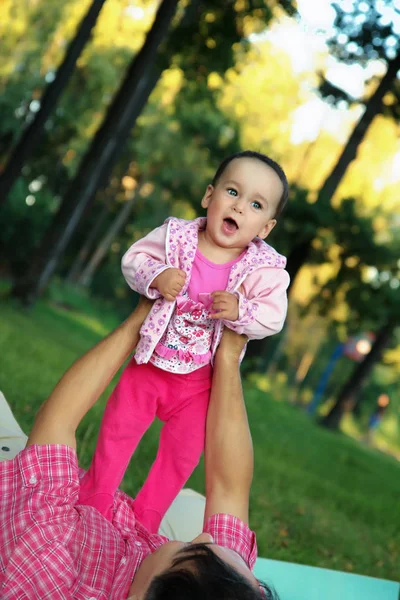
[299, 582]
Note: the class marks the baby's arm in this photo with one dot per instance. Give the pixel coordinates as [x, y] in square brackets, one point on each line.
[262, 303]
[143, 266]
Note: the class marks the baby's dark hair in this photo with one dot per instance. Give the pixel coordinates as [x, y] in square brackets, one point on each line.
[208, 578]
[266, 160]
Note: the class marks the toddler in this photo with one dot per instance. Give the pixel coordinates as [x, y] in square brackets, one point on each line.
[203, 274]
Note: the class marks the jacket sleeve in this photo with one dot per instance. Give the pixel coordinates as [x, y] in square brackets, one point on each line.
[144, 261]
[262, 303]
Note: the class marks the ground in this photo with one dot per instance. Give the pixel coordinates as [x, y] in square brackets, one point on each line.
[318, 498]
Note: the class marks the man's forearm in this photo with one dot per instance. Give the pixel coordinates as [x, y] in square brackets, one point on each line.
[229, 448]
[84, 382]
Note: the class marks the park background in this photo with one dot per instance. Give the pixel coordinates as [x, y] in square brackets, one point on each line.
[114, 116]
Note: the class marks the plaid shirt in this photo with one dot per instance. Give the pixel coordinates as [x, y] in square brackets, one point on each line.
[53, 549]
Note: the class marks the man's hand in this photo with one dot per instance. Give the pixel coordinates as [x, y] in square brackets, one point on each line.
[141, 311]
[231, 345]
[170, 283]
[225, 306]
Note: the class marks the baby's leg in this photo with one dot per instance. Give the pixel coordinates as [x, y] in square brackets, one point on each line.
[130, 410]
[180, 448]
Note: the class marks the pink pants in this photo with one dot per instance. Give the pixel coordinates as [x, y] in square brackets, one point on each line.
[143, 392]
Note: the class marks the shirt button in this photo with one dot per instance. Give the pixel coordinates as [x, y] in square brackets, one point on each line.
[33, 480]
[138, 544]
[123, 560]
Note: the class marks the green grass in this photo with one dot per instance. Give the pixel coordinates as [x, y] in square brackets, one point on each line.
[318, 498]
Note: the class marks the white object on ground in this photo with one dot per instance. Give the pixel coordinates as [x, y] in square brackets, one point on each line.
[12, 438]
[184, 519]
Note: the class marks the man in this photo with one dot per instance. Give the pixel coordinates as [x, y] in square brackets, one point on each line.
[52, 548]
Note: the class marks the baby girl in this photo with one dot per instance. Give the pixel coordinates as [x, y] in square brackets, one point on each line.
[203, 275]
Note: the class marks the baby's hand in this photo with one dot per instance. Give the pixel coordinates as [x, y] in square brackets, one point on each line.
[225, 306]
[169, 283]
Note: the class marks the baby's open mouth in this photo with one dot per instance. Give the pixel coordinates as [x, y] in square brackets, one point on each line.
[231, 224]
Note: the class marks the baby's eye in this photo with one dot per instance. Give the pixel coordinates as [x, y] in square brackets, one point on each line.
[256, 205]
[232, 192]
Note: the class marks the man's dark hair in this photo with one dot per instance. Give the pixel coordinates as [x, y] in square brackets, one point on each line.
[266, 160]
[208, 578]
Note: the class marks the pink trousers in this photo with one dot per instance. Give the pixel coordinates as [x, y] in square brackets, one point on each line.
[144, 392]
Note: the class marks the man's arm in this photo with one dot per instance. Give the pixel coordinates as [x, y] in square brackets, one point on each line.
[83, 383]
[229, 448]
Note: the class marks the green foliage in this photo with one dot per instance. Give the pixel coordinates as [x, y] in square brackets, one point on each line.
[368, 273]
[205, 39]
[26, 36]
[23, 224]
[301, 220]
[179, 147]
[192, 128]
[364, 31]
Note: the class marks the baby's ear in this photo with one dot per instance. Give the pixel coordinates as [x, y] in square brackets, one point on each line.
[265, 231]
[207, 196]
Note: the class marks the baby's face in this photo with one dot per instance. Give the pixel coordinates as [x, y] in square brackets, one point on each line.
[243, 203]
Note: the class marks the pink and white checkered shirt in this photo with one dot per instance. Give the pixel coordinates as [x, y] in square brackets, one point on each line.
[53, 549]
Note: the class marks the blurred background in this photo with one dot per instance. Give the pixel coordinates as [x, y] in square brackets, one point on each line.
[114, 115]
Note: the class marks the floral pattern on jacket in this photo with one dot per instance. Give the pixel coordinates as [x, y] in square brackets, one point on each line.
[258, 279]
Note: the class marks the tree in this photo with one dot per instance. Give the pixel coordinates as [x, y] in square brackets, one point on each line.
[361, 293]
[364, 33]
[360, 38]
[24, 70]
[368, 302]
[117, 224]
[75, 271]
[48, 102]
[209, 25]
[350, 392]
[139, 81]
[300, 253]
[25, 31]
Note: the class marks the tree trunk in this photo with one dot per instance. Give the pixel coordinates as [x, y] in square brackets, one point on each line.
[372, 108]
[93, 264]
[48, 102]
[77, 266]
[97, 164]
[297, 258]
[349, 392]
[300, 253]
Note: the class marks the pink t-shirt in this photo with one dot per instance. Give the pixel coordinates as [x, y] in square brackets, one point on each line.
[185, 345]
[208, 277]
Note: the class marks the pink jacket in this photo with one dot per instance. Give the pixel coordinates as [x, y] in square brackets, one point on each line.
[259, 280]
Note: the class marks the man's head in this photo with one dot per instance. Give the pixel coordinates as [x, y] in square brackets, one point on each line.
[195, 571]
[247, 194]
